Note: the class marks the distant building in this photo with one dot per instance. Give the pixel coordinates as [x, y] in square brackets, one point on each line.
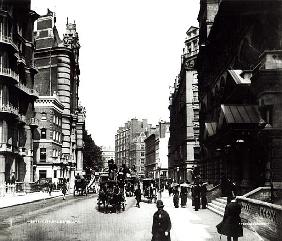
[108, 153]
[137, 154]
[184, 114]
[17, 94]
[59, 144]
[129, 144]
[156, 152]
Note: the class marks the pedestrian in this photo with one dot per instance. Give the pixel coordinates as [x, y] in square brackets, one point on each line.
[64, 189]
[183, 195]
[137, 194]
[204, 195]
[197, 193]
[176, 197]
[50, 187]
[231, 225]
[161, 224]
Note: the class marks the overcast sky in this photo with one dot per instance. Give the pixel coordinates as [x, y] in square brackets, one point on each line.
[130, 55]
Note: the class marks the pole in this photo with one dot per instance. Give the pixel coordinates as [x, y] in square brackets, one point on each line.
[160, 195]
[50, 74]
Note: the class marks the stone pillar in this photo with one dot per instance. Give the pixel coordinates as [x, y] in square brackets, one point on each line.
[28, 159]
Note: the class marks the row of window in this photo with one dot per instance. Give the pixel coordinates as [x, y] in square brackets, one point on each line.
[56, 153]
[57, 136]
[43, 174]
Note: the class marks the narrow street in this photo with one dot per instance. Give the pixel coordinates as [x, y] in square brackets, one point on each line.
[78, 219]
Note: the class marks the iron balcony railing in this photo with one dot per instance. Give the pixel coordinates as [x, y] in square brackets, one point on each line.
[10, 109]
[27, 90]
[8, 40]
[9, 73]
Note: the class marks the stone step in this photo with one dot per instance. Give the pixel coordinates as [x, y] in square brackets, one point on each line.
[219, 208]
[215, 210]
[218, 203]
[222, 200]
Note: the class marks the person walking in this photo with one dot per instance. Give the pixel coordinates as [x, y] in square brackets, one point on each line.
[197, 193]
[204, 195]
[64, 189]
[50, 187]
[183, 195]
[137, 194]
[161, 224]
[231, 225]
[176, 197]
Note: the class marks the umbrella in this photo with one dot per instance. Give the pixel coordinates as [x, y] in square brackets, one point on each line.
[184, 185]
[174, 184]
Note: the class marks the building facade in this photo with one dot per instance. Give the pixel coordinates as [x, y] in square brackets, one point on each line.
[129, 143]
[156, 152]
[17, 94]
[57, 83]
[239, 67]
[183, 144]
[108, 153]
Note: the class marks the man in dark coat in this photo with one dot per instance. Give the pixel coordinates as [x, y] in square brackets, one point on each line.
[138, 196]
[231, 224]
[197, 195]
[161, 224]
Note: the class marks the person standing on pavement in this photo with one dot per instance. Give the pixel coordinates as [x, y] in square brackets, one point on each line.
[204, 195]
[197, 193]
[137, 194]
[64, 189]
[183, 195]
[176, 197]
[231, 225]
[50, 187]
[161, 224]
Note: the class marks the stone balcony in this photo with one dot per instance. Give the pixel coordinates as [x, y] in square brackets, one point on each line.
[33, 122]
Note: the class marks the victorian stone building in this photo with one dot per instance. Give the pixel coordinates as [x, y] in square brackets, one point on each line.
[129, 144]
[156, 151]
[239, 71]
[183, 153]
[58, 143]
[17, 94]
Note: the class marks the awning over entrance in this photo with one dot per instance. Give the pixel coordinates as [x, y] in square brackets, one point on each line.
[241, 114]
[210, 128]
[236, 76]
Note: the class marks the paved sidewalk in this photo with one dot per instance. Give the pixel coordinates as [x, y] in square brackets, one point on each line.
[188, 224]
[22, 198]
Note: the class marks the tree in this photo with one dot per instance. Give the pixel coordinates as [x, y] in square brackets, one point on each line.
[92, 154]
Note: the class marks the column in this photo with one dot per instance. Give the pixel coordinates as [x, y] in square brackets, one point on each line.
[28, 159]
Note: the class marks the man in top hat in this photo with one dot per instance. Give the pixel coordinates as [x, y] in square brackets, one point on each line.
[161, 224]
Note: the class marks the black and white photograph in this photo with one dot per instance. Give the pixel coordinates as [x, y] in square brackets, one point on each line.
[140, 120]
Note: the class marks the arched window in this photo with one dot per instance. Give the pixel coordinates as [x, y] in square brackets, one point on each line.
[43, 133]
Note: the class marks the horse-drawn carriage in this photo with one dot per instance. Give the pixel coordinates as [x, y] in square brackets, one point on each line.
[111, 196]
[80, 186]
